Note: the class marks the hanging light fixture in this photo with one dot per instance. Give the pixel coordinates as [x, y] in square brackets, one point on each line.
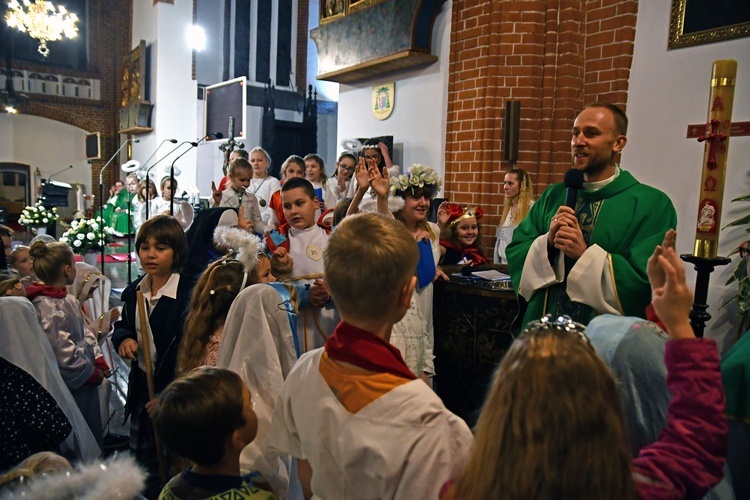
[42, 20]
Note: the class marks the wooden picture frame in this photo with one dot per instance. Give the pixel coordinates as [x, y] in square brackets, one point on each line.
[695, 22]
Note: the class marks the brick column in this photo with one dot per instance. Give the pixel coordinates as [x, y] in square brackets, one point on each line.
[552, 56]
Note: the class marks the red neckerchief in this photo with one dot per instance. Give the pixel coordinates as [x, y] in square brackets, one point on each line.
[471, 253]
[36, 289]
[366, 350]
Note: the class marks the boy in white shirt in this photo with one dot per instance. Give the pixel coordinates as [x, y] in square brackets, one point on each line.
[360, 422]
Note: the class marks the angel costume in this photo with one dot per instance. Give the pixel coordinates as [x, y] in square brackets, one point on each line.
[263, 189]
[74, 346]
[233, 199]
[25, 346]
[259, 344]
[414, 335]
[97, 317]
[183, 211]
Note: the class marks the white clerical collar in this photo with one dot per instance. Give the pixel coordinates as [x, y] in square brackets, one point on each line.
[596, 186]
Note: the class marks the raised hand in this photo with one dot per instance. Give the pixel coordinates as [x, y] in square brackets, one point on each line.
[215, 194]
[443, 214]
[380, 183]
[361, 174]
[673, 300]
[656, 275]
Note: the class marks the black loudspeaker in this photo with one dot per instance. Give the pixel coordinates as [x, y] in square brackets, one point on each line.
[93, 146]
[512, 129]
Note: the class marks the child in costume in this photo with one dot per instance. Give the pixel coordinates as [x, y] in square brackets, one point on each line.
[183, 211]
[260, 345]
[338, 185]
[568, 425]
[23, 264]
[315, 172]
[352, 412]
[216, 289]
[60, 315]
[460, 235]
[162, 250]
[262, 185]
[236, 194]
[207, 416]
[294, 166]
[297, 255]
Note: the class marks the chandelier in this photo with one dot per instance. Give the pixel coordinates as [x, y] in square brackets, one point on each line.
[42, 20]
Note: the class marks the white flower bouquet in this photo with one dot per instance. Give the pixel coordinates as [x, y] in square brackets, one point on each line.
[418, 176]
[88, 234]
[38, 215]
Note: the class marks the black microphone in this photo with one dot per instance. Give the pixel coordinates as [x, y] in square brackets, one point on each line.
[573, 182]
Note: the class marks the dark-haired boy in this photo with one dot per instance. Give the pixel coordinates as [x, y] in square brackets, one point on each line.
[297, 254]
[207, 417]
[361, 424]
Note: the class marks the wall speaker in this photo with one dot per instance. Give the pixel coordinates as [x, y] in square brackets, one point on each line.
[512, 129]
[93, 146]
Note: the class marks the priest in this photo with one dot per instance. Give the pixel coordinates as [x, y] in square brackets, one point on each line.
[591, 259]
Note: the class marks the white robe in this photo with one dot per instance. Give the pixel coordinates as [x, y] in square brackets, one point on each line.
[258, 344]
[262, 189]
[414, 335]
[307, 330]
[405, 444]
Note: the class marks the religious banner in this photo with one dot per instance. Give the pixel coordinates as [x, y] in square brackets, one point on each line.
[383, 100]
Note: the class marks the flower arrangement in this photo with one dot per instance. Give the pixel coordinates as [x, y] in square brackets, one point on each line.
[38, 215]
[88, 234]
[418, 176]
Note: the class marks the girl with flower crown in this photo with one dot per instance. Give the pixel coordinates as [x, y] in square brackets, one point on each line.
[409, 202]
[460, 235]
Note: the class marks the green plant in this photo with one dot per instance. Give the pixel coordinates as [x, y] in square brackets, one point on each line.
[37, 215]
[740, 275]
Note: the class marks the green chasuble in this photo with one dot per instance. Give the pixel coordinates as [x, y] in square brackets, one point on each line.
[625, 218]
[118, 219]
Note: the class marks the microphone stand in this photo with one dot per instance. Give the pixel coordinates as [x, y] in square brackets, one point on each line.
[101, 194]
[148, 171]
[218, 135]
[130, 211]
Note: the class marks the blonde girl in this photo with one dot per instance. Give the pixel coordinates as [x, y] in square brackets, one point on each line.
[60, 316]
[262, 185]
[519, 196]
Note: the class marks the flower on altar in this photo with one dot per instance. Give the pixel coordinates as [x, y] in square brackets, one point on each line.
[86, 235]
[37, 215]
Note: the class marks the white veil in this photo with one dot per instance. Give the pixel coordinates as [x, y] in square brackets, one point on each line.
[258, 344]
[24, 343]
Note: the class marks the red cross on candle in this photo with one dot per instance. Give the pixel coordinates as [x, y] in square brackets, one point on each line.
[714, 138]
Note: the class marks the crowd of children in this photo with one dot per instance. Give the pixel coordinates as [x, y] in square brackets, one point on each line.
[321, 386]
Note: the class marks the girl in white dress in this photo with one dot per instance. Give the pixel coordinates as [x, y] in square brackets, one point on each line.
[262, 185]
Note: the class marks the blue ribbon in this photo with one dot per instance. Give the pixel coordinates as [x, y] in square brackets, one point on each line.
[286, 301]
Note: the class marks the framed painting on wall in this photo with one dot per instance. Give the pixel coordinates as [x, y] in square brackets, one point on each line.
[695, 22]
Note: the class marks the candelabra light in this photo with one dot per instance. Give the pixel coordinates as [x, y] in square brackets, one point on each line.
[42, 20]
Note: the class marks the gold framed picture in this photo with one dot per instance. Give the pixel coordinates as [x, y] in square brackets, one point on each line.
[695, 22]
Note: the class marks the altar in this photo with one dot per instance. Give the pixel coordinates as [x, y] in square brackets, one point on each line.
[472, 334]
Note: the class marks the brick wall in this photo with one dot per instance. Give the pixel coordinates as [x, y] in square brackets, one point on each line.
[109, 32]
[552, 56]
